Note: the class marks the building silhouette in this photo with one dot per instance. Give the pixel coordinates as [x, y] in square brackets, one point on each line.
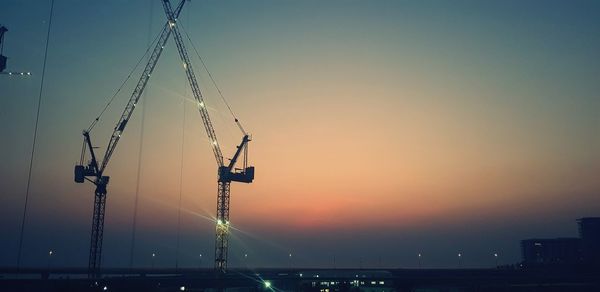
[589, 232]
[584, 249]
[565, 250]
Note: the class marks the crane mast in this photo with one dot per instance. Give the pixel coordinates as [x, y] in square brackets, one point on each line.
[96, 170]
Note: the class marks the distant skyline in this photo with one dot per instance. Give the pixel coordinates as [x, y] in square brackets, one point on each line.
[381, 130]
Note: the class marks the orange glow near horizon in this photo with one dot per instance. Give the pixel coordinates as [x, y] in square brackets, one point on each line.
[365, 115]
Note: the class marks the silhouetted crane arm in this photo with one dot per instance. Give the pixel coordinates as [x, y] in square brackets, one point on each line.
[139, 89]
[210, 131]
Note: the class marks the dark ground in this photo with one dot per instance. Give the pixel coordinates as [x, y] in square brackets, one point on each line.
[322, 280]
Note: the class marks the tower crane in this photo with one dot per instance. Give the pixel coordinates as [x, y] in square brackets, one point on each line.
[226, 173]
[94, 170]
[4, 59]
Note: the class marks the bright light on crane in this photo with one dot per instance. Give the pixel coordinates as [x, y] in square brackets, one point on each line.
[267, 284]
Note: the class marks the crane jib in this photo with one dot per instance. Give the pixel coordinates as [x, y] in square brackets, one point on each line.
[189, 71]
[122, 126]
[139, 89]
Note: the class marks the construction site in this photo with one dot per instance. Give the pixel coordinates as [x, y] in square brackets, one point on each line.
[155, 96]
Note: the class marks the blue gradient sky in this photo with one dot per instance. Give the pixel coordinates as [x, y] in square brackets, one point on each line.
[381, 129]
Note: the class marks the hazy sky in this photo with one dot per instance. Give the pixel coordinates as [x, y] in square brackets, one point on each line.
[382, 129]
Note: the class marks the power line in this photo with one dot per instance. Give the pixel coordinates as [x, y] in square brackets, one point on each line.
[140, 150]
[35, 130]
[181, 173]
[180, 188]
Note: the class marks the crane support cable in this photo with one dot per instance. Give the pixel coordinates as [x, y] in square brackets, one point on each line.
[95, 121]
[35, 130]
[214, 82]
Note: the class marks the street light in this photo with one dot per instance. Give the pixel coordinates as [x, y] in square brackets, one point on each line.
[459, 258]
[153, 256]
[200, 267]
[290, 257]
[419, 255]
[50, 253]
[496, 258]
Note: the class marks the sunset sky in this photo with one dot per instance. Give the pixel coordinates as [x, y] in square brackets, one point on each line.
[381, 129]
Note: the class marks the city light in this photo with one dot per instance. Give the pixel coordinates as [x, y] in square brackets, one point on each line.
[267, 284]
